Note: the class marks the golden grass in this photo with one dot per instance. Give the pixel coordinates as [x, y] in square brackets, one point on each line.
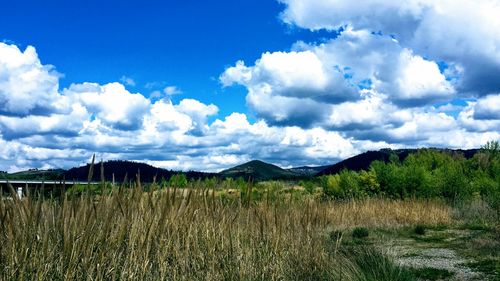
[131, 234]
[386, 213]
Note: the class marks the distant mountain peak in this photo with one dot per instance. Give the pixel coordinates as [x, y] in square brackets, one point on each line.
[258, 170]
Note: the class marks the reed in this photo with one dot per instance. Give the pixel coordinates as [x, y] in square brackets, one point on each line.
[189, 234]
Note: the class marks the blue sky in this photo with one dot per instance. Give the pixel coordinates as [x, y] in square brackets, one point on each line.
[207, 85]
[183, 43]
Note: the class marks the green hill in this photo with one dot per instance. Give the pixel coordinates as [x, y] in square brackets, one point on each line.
[308, 170]
[35, 174]
[258, 170]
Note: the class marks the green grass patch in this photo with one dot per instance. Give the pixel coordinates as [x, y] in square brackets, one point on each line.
[429, 273]
[489, 266]
[419, 230]
[437, 227]
[412, 255]
[335, 235]
[429, 239]
[479, 226]
[360, 232]
[376, 266]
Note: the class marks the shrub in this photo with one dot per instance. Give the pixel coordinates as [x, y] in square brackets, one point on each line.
[419, 229]
[330, 186]
[389, 177]
[360, 232]
[178, 180]
[368, 182]
[429, 273]
[308, 186]
[376, 266]
[349, 185]
[335, 235]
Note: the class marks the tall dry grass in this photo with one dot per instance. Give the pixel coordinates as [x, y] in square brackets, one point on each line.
[387, 213]
[193, 235]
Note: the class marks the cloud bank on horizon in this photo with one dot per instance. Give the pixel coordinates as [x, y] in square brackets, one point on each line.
[393, 74]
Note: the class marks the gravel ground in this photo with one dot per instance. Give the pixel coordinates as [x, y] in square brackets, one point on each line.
[410, 253]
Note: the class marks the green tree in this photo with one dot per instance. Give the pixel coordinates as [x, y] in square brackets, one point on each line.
[389, 178]
[178, 180]
[330, 186]
[368, 182]
[349, 185]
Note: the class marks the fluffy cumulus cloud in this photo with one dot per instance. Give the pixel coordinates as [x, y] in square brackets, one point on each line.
[488, 108]
[26, 86]
[63, 127]
[306, 86]
[395, 72]
[482, 115]
[465, 34]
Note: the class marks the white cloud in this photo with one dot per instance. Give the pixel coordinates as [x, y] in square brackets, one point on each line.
[127, 81]
[172, 90]
[482, 115]
[13, 127]
[26, 86]
[111, 103]
[368, 113]
[314, 105]
[325, 85]
[488, 108]
[420, 80]
[465, 33]
[198, 112]
[295, 74]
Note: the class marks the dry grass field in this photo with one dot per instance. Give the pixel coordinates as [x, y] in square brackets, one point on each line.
[195, 235]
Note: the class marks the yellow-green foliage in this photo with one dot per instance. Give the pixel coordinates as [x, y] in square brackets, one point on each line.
[331, 185]
[178, 180]
[368, 181]
[424, 174]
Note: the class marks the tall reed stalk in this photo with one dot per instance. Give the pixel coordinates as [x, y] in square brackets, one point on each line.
[188, 234]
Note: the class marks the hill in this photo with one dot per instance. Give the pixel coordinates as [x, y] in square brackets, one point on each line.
[308, 170]
[127, 170]
[258, 170]
[35, 174]
[362, 161]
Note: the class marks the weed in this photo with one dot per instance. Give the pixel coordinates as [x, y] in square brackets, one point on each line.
[419, 229]
[430, 239]
[375, 266]
[335, 235]
[488, 266]
[429, 273]
[437, 227]
[360, 232]
[477, 225]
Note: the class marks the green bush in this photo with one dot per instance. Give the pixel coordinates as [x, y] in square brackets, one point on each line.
[389, 177]
[425, 174]
[349, 185]
[335, 235]
[360, 232]
[330, 186]
[368, 182]
[91, 189]
[419, 229]
[308, 186]
[376, 266]
[179, 181]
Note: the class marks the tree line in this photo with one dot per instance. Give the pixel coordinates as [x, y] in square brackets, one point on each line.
[424, 174]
